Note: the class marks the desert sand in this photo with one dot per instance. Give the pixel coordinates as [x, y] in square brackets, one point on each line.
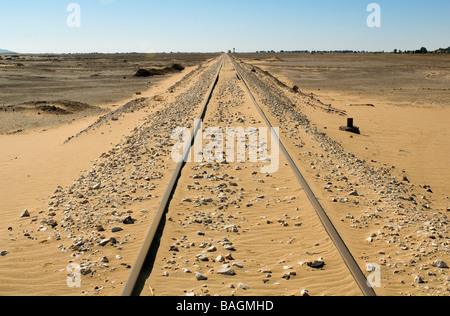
[267, 219]
[90, 197]
[400, 105]
[50, 90]
[400, 102]
[38, 161]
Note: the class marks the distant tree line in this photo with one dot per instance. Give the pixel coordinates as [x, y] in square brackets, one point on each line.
[422, 50]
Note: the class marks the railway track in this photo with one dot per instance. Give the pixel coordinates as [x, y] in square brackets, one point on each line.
[161, 242]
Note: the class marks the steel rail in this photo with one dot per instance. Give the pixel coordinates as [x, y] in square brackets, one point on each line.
[346, 255]
[131, 286]
[150, 243]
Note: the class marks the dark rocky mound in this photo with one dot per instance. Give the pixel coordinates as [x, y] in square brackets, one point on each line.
[159, 72]
[51, 107]
[178, 67]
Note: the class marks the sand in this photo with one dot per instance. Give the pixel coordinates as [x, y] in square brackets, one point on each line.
[411, 246]
[268, 220]
[98, 81]
[407, 124]
[34, 164]
[401, 154]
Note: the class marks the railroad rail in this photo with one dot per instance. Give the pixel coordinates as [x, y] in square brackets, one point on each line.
[144, 262]
[326, 222]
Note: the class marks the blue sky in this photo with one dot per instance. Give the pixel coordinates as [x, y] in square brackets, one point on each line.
[39, 26]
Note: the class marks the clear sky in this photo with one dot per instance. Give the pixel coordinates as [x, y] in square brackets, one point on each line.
[40, 26]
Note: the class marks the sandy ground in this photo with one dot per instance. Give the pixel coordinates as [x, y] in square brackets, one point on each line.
[402, 215]
[37, 164]
[74, 87]
[267, 218]
[112, 177]
[407, 126]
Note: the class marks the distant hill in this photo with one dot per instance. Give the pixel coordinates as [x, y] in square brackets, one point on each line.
[5, 51]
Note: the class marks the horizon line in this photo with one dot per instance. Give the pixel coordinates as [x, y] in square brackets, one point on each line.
[5, 51]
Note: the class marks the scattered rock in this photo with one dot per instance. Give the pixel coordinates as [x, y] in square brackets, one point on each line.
[226, 271]
[85, 270]
[25, 213]
[202, 257]
[418, 279]
[440, 264]
[243, 286]
[200, 277]
[116, 229]
[127, 220]
[229, 247]
[316, 264]
[104, 242]
[53, 223]
[238, 264]
[288, 275]
[370, 267]
[304, 293]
